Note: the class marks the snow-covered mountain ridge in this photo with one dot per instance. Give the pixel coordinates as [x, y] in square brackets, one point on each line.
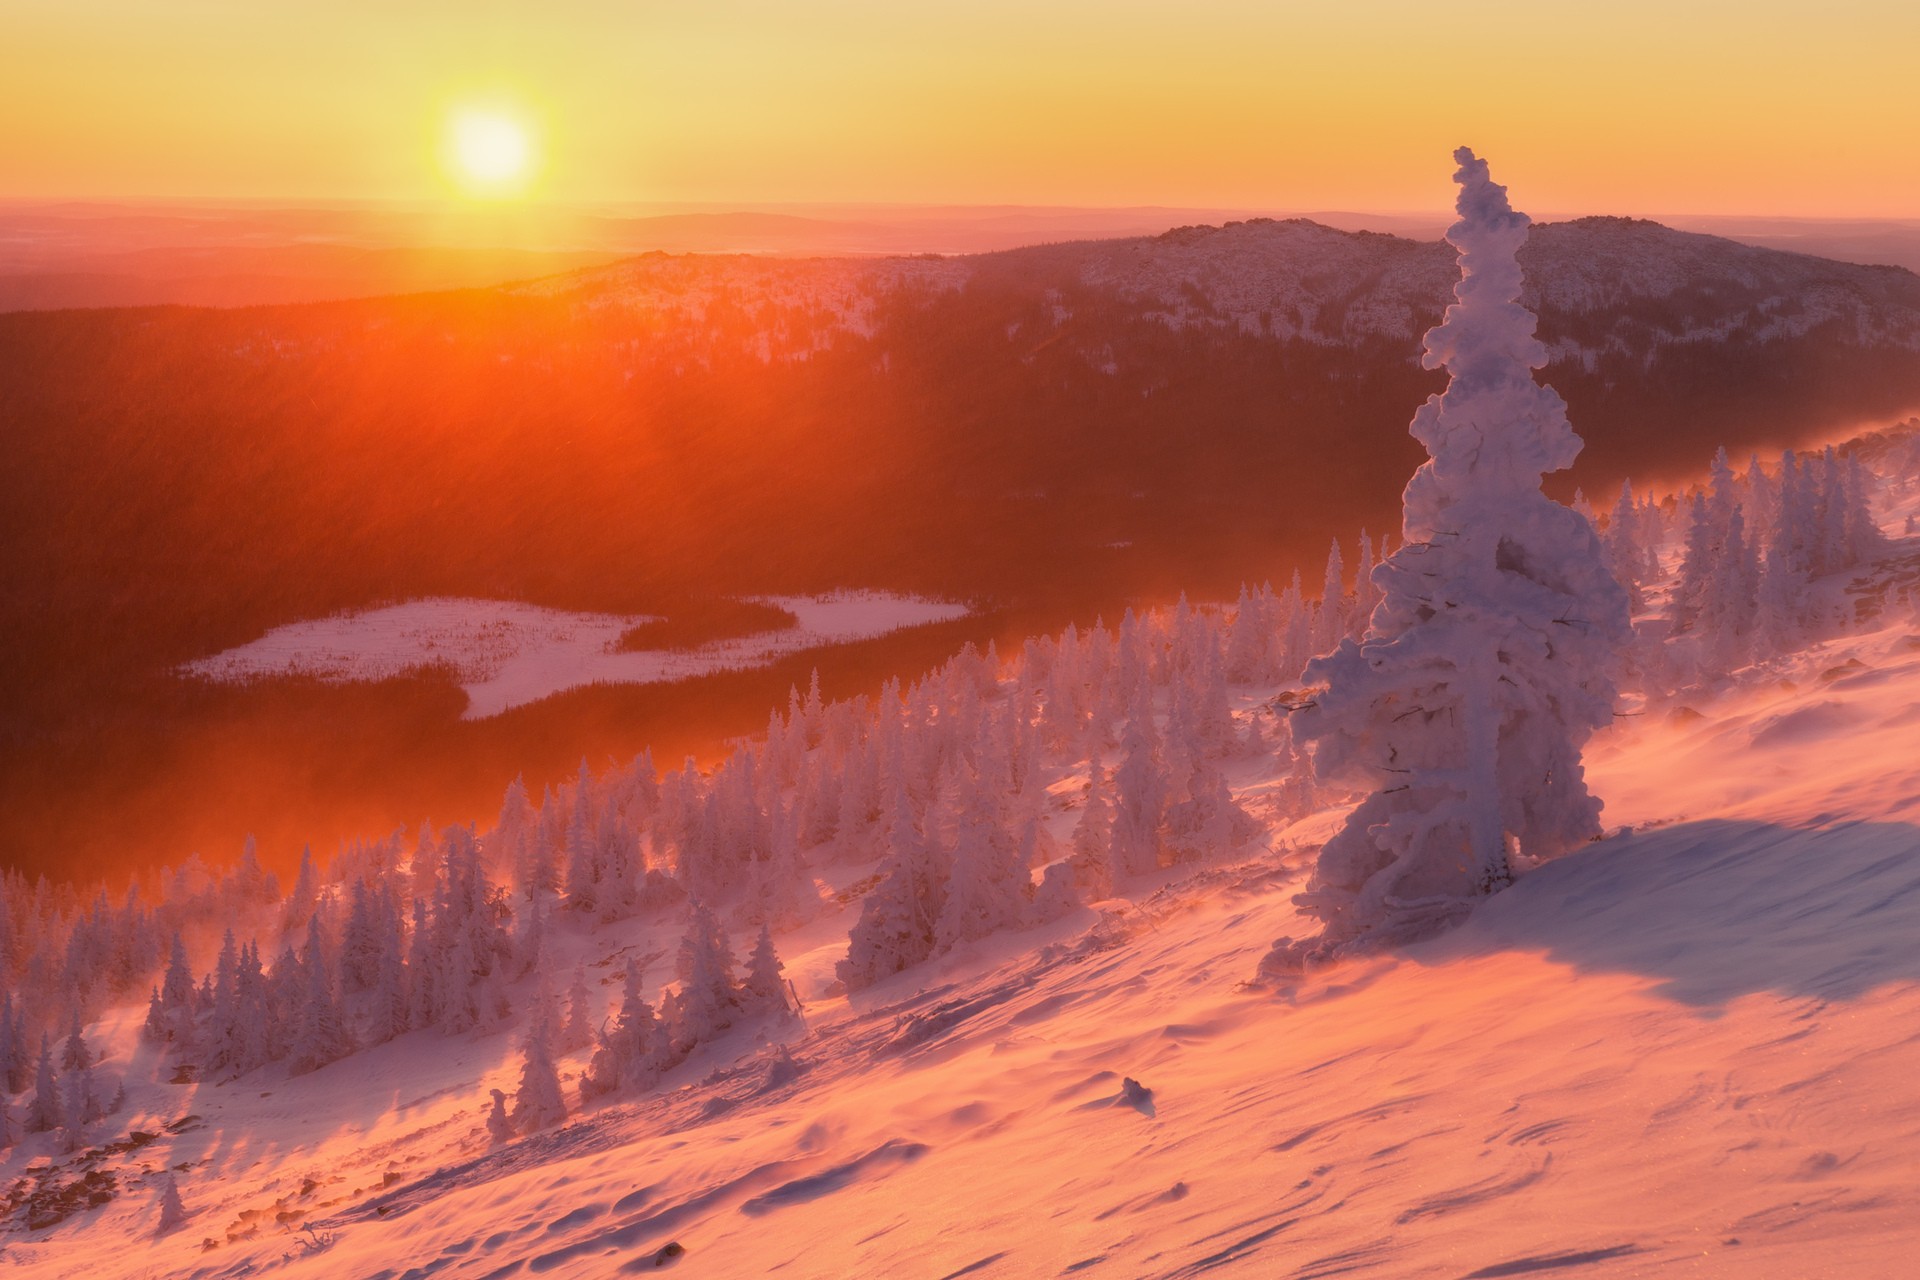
[1598, 285]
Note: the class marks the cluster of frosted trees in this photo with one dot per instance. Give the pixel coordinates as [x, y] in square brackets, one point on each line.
[1752, 546]
[67, 1096]
[637, 1045]
[66, 956]
[943, 783]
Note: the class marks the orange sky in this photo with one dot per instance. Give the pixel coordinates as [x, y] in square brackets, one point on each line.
[1627, 107]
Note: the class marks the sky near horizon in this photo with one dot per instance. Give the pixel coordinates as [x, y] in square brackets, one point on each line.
[1697, 106]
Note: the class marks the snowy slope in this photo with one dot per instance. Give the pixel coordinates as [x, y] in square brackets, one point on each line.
[1684, 1048]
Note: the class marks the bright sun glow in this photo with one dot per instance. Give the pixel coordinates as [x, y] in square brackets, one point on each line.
[490, 150]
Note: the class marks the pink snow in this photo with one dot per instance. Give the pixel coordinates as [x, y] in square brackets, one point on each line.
[1687, 1047]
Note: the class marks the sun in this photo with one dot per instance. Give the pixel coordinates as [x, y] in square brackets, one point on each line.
[489, 150]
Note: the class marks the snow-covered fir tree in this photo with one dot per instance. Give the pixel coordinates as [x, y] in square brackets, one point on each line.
[1489, 659]
[895, 930]
[633, 1051]
[708, 1000]
[538, 1102]
[764, 990]
[45, 1112]
[172, 1210]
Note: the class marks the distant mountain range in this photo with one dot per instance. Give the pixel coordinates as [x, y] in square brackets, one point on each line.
[74, 254]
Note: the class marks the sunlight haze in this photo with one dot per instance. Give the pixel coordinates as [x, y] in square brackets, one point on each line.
[1629, 108]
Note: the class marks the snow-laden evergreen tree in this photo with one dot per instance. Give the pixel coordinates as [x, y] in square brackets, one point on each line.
[895, 930]
[1489, 659]
[988, 889]
[388, 1007]
[176, 995]
[306, 890]
[1331, 620]
[1624, 548]
[577, 1033]
[75, 1052]
[583, 868]
[1093, 835]
[320, 1033]
[154, 1029]
[764, 989]
[360, 941]
[708, 1001]
[172, 1209]
[1139, 804]
[633, 1051]
[538, 1102]
[1365, 594]
[13, 1047]
[79, 1108]
[510, 846]
[45, 1112]
[1209, 821]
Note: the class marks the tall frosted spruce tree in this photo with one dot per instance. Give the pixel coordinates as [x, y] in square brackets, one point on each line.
[1488, 660]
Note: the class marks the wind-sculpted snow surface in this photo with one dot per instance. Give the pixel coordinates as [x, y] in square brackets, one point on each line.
[1487, 662]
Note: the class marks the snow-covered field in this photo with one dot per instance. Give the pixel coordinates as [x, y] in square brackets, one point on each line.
[507, 654]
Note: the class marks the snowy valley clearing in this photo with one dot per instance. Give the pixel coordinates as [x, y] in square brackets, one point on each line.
[506, 654]
[1685, 1050]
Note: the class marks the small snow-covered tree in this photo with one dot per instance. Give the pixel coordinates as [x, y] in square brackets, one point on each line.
[319, 1034]
[79, 1107]
[1489, 660]
[633, 1052]
[359, 941]
[578, 1031]
[154, 1029]
[387, 1002]
[74, 1050]
[13, 1047]
[895, 930]
[44, 1113]
[708, 1000]
[173, 1210]
[538, 1102]
[988, 889]
[176, 994]
[1139, 805]
[764, 989]
[1209, 821]
[306, 890]
[1093, 835]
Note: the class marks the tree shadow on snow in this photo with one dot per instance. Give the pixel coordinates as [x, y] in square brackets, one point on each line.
[1720, 909]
